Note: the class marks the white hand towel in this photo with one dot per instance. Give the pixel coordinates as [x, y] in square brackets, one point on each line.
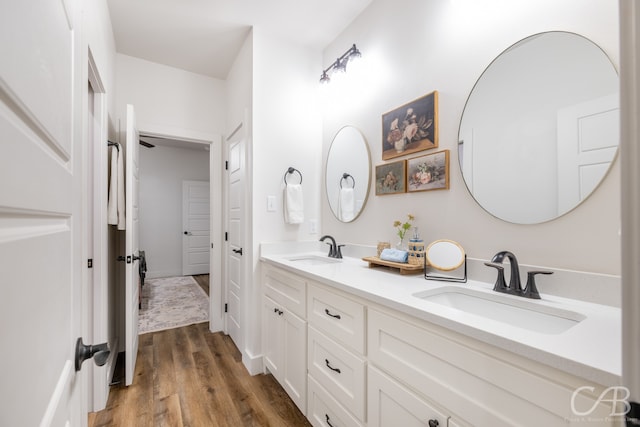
[346, 204]
[112, 206]
[293, 204]
[121, 203]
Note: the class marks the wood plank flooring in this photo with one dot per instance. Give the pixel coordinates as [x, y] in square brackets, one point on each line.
[191, 377]
[203, 281]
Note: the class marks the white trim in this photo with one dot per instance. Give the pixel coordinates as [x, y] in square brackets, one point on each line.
[216, 301]
[54, 411]
[173, 132]
[216, 311]
[630, 192]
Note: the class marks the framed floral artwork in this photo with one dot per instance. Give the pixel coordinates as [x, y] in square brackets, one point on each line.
[411, 128]
[391, 178]
[430, 172]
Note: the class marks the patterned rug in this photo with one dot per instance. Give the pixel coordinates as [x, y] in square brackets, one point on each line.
[172, 302]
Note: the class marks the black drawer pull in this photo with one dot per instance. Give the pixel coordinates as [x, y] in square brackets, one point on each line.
[331, 367]
[335, 316]
[328, 420]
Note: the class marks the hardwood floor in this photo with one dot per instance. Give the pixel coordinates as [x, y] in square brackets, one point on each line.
[203, 281]
[191, 377]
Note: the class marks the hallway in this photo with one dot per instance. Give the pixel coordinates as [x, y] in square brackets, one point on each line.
[191, 377]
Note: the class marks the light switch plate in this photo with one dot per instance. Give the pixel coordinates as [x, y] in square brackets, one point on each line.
[271, 203]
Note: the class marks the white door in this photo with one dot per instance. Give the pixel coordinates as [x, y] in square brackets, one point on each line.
[195, 222]
[235, 240]
[132, 281]
[40, 218]
[586, 147]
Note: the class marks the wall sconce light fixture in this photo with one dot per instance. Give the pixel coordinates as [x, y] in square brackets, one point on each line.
[340, 64]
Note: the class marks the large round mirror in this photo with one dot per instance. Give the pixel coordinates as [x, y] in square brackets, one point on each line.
[348, 174]
[540, 128]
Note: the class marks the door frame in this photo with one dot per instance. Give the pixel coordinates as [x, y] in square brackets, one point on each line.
[96, 300]
[216, 200]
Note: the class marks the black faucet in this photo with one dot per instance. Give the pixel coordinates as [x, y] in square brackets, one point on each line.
[514, 288]
[334, 250]
[514, 282]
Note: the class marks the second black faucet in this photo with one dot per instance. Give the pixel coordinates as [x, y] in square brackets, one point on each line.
[334, 249]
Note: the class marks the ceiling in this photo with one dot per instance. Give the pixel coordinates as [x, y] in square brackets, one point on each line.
[205, 36]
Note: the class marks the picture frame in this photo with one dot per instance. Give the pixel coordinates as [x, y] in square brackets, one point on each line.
[428, 172]
[391, 178]
[411, 128]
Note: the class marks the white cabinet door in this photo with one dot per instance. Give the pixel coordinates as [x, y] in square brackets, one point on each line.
[285, 350]
[273, 340]
[294, 378]
[392, 405]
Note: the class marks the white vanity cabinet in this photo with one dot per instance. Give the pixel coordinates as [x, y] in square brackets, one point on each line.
[285, 332]
[481, 384]
[350, 361]
[336, 361]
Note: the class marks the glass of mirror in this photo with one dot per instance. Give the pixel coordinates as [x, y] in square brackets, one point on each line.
[540, 128]
[348, 174]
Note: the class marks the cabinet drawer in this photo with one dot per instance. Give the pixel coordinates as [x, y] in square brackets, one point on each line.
[477, 383]
[339, 317]
[391, 405]
[286, 289]
[338, 370]
[325, 411]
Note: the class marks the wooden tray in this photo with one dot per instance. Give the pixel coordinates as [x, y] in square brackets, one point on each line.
[405, 268]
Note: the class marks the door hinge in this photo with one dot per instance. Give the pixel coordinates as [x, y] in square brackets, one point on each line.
[226, 165]
[90, 263]
[212, 246]
[226, 307]
[226, 236]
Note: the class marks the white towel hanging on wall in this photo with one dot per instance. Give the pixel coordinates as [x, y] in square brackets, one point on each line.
[293, 204]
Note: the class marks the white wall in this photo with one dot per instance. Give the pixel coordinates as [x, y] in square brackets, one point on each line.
[162, 170]
[286, 131]
[170, 101]
[412, 47]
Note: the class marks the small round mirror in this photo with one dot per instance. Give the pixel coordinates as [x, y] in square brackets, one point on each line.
[445, 255]
[348, 174]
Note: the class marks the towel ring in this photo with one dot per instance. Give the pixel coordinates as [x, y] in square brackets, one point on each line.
[345, 177]
[290, 171]
[113, 144]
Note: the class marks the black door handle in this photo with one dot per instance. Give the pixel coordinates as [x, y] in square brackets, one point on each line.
[237, 251]
[84, 352]
[187, 233]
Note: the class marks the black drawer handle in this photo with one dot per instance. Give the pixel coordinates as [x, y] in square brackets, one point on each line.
[335, 316]
[331, 367]
[328, 420]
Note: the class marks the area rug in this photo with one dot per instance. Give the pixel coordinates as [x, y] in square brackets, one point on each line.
[172, 302]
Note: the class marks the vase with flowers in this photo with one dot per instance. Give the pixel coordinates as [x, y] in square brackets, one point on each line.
[401, 230]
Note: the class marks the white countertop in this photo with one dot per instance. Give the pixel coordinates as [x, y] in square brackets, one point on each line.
[591, 349]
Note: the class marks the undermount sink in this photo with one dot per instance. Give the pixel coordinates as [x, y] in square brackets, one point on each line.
[512, 310]
[312, 260]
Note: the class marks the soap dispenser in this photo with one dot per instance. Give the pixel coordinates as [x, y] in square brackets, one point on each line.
[416, 249]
